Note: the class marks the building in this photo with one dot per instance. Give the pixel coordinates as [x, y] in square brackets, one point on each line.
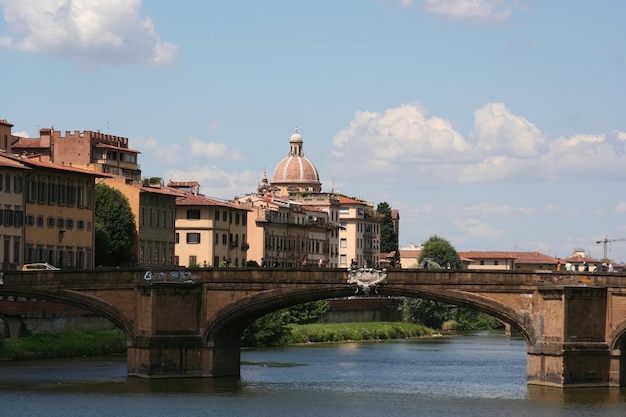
[209, 233]
[494, 260]
[293, 222]
[359, 235]
[154, 209]
[12, 174]
[289, 234]
[93, 151]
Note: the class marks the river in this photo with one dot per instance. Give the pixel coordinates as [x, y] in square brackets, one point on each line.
[479, 374]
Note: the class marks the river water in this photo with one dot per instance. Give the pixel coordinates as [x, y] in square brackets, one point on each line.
[479, 374]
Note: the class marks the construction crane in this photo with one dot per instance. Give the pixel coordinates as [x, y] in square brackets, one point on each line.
[606, 241]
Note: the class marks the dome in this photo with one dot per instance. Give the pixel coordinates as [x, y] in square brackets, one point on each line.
[295, 172]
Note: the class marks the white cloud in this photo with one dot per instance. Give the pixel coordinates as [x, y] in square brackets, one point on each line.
[621, 208]
[212, 150]
[477, 229]
[476, 11]
[91, 32]
[216, 182]
[405, 146]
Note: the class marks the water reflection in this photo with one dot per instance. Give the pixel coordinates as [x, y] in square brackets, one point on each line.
[482, 374]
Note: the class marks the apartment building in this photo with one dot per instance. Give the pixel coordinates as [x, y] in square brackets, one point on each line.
[359, 235]
[209, 233]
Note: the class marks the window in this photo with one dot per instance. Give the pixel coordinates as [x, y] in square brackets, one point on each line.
[80, 224]
[51, 221]
[31, 190]
[61, 223]
[177, 238]
[69, 224]
[224, 216]
[217, 214]
[193, 214]
[8, 217]
[193, 260]
[30, 220]
[19, 218]
[52, 191]
[217, 238]
[343, 243]
[43, 187]
[8, 183]
[18, 184]
[193, 238]
[40, 221]
[224, 239]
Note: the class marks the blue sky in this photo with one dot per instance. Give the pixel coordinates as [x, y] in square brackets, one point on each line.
[497, 124]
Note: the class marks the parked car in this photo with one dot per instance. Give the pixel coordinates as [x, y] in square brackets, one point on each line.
[41, 266]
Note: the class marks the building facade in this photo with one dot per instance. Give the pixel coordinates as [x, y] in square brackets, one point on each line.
[209, 233]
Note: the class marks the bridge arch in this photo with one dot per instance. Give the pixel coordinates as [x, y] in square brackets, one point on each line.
[229, 323]
[82, 301]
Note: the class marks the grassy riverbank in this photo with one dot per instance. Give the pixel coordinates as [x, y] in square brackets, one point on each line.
[341, 332]
[64, 345]
[94, 343]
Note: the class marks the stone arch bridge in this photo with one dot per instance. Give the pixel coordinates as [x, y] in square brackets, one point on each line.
[188, 323]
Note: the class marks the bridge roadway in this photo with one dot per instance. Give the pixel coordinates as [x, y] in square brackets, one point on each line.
[188, 323]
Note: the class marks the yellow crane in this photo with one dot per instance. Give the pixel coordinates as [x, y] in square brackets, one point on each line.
[606, 241]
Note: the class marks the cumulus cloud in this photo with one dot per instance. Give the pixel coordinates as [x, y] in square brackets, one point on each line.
[407, 145]
[475, 11]
[621, 208]
[212, 150]
[91, 32]
[477, 229]
[216, 182]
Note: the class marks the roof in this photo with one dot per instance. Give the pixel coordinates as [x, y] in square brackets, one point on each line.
[7, 162]
[346, 200]
[32, 162]
[188, 199]
[32, 143]
[518, 257]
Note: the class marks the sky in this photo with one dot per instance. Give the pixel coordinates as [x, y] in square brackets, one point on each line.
[499, 125]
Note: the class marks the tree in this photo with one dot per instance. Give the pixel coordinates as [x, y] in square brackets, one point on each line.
[439, 250]
[115, 218]
[388, 235]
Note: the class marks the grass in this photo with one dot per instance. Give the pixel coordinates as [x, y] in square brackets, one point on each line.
[341, 332]
[64, 345]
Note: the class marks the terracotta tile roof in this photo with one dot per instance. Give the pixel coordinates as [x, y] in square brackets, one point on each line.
[580, 259]
[519, 257]
[30, 143]
[161, 190]
[188, 199]
[346, 200]
[33, 162]
[410, 253]
[8, 162]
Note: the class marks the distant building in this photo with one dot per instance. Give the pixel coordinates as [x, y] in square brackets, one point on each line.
[93, 151]
[209, 232]
[496, 260]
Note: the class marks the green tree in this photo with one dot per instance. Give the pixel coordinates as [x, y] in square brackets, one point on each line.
[430, 313]
[273, 329]
[441, 251]
[114, 216]
[269, 330]
[388, 235]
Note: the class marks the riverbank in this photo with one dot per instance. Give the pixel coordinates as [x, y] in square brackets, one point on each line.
[64, 345]
[95, 343]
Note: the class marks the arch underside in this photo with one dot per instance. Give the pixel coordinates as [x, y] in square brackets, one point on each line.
[80, 300]
[228, 324]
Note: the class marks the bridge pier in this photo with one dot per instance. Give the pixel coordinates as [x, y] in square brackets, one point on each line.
[180, 357]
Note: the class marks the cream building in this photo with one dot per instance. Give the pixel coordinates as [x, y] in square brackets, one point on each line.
[209, 233]
[359, 236]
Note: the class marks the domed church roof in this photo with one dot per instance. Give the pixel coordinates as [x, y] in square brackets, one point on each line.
[295, 173]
